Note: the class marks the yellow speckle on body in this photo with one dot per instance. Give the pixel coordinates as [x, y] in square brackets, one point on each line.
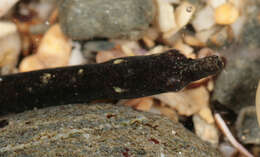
[29, 89]
[80, 71]
[118, 61]
[45, 78]
[119, 90]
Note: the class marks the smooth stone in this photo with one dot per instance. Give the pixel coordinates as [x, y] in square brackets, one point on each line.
[251, 31]
[236, 85]
[38, 29]
[99, 45]
[91, 48]
[247, 127]
[10, 48]
[97, 130]
[87, 19]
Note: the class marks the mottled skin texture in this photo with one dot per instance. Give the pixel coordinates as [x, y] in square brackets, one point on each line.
[122, 78]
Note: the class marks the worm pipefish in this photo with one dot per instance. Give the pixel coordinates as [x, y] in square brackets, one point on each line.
[121, 78]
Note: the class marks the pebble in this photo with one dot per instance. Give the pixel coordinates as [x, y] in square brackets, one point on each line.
[10, 47]
[186, 102]
[30, 63]
[98, 45]
[247, 127]
[172, 1]
[166, 18]
[182, 16]
[251, 32]
[193, 41]
[236, 86]
[53, 51]
[227, 150]
[55, 48]
[226, 14]
[91, 48]
[207, 132]
[221, 37]
[5, 5]
[103, 56]
[184, 13]
[216, 3]
[185, 49]
[7, 28]
[206, 114]
[98, 130]
[204, 19]
[38, 29]
[76, 57]
[238, 26]
[81, 19]
[204, 35]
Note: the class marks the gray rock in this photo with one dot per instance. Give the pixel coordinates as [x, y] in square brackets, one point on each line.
[236, 85]
[38, 29]
[90, 49]
[247, 127]
[86, 19]
[251, 32]
[10, 48]
[98, 46]
[98, 130]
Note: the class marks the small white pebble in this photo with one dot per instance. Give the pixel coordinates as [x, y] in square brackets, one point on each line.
[172, 1]
[162, 155]
[204, 19]
[166, 19]
[206, 131]
[5, 5]
[76, 56]
[7, 28]
[184, 13]
[86, 136]
[216, 3]
[44, 8]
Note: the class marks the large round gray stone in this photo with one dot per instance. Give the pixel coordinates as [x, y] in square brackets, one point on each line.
[236, 85]
[98, 130]
[86, 19]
